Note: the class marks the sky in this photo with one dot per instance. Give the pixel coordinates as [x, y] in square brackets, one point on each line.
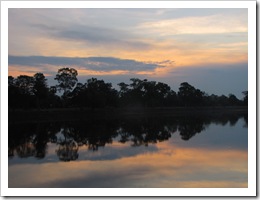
[206, 47]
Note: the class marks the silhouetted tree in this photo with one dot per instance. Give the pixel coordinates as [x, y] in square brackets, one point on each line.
[54, 100]
[67, 79]
[123, 93]
[189, 95]
[25, 85]
[155, 94]
[79, 95]
[53, 90]
[123, 89]
[172, 99]
[31, 92]
[233, 100]
[13, 93]
[223, 100]
[100, 94]
[136, 92]
[40, 89]
[144, 93]
[162, 90]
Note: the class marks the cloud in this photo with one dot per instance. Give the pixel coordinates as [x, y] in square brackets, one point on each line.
[189, 36]
[104, 64]
[214, 24]
[93, 35]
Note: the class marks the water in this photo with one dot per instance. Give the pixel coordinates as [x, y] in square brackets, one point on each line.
[131, 152]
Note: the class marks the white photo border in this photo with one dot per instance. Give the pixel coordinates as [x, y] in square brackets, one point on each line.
[250, 191]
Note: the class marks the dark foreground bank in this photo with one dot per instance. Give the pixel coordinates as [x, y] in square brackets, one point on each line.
[107, 113]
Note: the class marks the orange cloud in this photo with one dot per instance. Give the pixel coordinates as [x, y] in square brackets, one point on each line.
[97, 73]
[15, 70]
[190, 54]
[184, 54]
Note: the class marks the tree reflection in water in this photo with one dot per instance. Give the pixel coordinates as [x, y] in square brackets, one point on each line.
[68, 150]
[67, 147]
[26, 140]
[25, 150]
[189, 127]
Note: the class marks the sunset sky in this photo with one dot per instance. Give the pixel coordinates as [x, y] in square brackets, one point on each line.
[205, 47]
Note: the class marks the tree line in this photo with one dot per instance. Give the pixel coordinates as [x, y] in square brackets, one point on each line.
[33, 92]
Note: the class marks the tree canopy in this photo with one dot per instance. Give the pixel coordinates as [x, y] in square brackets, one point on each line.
[67, 79]
[33, 92]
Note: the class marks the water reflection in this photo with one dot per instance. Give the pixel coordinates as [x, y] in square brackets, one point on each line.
[32, 139]
[67, 150]
[134, 151]
[27, 140]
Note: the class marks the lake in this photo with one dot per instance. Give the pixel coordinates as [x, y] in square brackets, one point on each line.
[161, 151]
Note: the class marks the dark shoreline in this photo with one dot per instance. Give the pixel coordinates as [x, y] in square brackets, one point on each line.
[109, 113]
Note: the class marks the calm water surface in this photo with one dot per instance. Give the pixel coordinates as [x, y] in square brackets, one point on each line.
[175, 152]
